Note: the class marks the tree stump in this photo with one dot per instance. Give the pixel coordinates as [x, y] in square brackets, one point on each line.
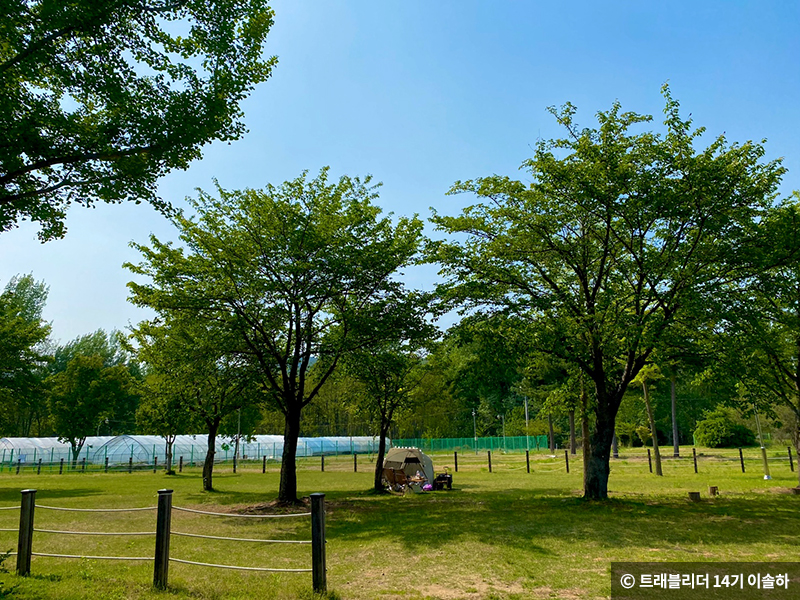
[713, 490]
[694, 496]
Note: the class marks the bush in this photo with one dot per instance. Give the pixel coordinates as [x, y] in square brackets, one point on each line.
[719, 430]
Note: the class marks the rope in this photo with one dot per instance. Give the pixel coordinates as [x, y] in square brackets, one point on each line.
[9, 507]
[96, 509]
[95, 532]
[93, 557]
[9, 529]
[214, 537]
[203, 512]
[191, 562]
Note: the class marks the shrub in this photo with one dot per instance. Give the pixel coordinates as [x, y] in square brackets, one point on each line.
[719, 430]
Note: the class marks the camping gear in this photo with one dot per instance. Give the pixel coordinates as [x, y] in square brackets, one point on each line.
[409, 460]
[442, 480]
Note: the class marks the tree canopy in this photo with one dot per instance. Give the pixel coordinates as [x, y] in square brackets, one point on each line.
[617, 234]
[100, 99]
[297, 274]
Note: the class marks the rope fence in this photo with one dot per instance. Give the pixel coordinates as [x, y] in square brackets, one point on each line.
[162, 535]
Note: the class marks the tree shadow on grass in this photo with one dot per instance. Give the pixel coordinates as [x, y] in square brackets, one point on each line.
[12, 496]
[534, 521]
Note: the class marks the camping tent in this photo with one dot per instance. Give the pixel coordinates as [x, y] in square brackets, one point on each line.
[409, 460]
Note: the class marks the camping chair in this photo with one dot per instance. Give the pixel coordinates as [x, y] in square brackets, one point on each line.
[390, 477]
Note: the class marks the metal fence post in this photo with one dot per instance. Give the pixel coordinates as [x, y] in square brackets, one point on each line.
[649, 460]
[39, 467]
[180, 465]
[528, 460]
[25, 532]
[318, 570]
[455, 460]
[741, 459]
[130, 465]
[106, 464]
[61, 467]
[694, 456]
[791, 462]
[155, 463]
[264, 464]
[489, 455]
[566, 459]
[163, 520]
[355, 462]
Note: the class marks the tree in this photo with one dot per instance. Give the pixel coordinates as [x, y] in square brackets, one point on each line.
[391, 369]
[23, 357]
[298, 273]
[100, 99]
[193, 380]
[760, 322]
[615, 237]
[84, 395]
[647, 374]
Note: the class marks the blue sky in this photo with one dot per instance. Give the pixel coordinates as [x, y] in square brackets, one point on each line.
[423, 94]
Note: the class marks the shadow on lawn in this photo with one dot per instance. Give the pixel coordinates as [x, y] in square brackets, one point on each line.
[534, 520]
[12, 496]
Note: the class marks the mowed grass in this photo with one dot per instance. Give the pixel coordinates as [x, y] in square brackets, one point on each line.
[507, 534]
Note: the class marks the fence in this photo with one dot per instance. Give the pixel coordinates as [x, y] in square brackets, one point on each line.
[162, 535]
[519, 443]
[128, 452]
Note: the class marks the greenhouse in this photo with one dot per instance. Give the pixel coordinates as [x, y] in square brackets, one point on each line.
[147, 449]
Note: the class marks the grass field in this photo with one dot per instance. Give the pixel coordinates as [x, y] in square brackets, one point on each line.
[507, 534]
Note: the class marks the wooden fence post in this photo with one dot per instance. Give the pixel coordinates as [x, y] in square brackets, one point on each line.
[322, 462]
[528, 460]
[61, 467]
[741, 459]
[566, 459]
[234, 463]
[39, 467]
[264, 464]
[318, 570]
[130, 465]
[25, 532]
[106, 464]
[489, 455]
[163, 522]
[791, 462]
[19, 464]
[355, 462]
[180, 465]
[650, 461]
[694, 456]
[83, 465]
[455, 459]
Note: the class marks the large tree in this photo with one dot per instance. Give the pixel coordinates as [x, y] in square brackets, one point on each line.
[615, 235]
[297, 273]
[100, 99]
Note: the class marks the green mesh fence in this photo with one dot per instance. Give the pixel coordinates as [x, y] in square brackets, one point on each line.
[518, 443]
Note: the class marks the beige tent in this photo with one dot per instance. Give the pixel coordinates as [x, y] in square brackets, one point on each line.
[409, 460]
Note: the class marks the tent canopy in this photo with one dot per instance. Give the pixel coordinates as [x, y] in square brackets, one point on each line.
[409, 460]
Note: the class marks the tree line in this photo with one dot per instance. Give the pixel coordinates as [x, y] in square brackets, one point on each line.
[628, 258]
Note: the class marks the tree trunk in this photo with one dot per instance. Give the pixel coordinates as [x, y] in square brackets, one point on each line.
[653, 432]
[573, 446]
[597, 468]
[208, 465]
[676, 451]
[378, 482]
[552, 435]
[170, 439]
[291, 431]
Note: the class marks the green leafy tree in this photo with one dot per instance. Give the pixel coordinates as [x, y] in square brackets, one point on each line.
[23, 355]
[297, 273]
[192, 381]
[98, 100]
[614, 237]
[84, 395]
[759, 345]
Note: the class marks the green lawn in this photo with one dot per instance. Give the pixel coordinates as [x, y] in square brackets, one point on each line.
[505, 534]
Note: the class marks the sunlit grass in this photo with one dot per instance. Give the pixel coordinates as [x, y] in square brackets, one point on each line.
[505, 534]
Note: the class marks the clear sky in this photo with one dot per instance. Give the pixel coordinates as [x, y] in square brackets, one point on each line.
[421, 94]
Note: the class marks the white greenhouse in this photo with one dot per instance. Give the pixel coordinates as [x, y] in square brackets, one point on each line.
[148, 450]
